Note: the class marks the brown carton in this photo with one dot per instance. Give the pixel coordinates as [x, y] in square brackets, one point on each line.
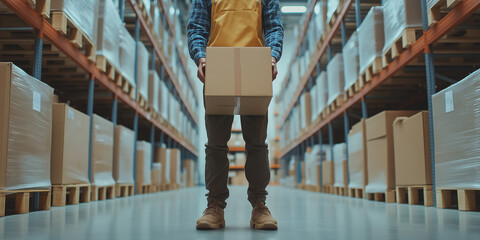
[380, 151]
[144, 160]
[70, 137]
[357, 156]
[238, 81]
[189, 168]
[123, 155]
[412, 150]
[328, 175]
[161, 156]
[25, 130]
[156, 174]
[101, 173]
[174, 166]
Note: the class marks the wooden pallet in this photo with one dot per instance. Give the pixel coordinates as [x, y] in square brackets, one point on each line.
[341, 191]
[337, 103]
[155, 188]
[312, 188]
[124, 190]
[143, 189]
[435, 13]
[328, 188]
[387, 196]
[143, 102]
[412, 196]
[334, 18]
[102, 193]
[126, 86]
[22, 200]
[104, 65]
[373, 69]
[77, 193]
[41, 6]
[63, 24]
[403, 42]
[357, 192]
[466, 199]
[164, 187]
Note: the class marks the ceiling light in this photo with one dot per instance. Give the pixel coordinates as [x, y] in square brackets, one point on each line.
[294, 9]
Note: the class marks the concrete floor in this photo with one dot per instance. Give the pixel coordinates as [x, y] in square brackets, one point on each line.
[301, 215]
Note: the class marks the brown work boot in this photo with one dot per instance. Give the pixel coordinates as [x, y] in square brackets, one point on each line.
[262, 218]
[212, 218]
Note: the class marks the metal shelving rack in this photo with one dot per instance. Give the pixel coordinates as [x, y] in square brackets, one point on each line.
[423, 44]
[44, 29]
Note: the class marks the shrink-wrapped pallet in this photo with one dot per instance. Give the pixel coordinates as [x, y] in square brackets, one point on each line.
[175, 166]
[335, 78]
[312, 161]
[305, 110]
[162, 156]
[101, 173]
[350, 61]
[142, 70]
[340, 159]
[332, 7]
[127, 55]
[109, 29]
[322, 91]
[83, 14]
[314, 102]
[357, 156]
[144, 163]
[154, 90]
[25, 130]
[371, 38]
[456, 114]
[123, 155]
[319, 16]
[156, 174]
[164, 99]
[399, 15]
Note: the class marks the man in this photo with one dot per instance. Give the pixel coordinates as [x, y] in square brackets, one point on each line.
[235, 23]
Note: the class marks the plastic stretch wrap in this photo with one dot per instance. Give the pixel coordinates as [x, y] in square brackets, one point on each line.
[109, 30]
[70, 138]
[102, 152]
[456, 113]
[399, 15]
[350, 61]
[147, 6]
[156, 173]
[123, 155]
[154, 90]
[82, 13]
[313, 93]
[371, 37]
[357, 156]
[144, 160]
[164, 99]
[142, 70]
[340, 157]
[319, 14]
[332, 7]
[24, 147]
[312, 160]
[335, 78]
[127, 56]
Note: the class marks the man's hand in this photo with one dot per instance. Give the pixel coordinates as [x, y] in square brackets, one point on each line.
[274, 69]
[202, 62]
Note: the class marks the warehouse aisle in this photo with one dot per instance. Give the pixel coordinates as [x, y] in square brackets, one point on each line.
[301, 215]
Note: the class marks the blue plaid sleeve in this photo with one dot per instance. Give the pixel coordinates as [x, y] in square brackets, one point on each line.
[198, 29]
[273, 27]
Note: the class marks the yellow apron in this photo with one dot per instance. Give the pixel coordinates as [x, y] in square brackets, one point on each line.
[236, 23]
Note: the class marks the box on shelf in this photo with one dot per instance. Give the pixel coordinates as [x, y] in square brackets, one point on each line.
[412, 150]
[154, 90]
[127, 55]
[335, 78]
[398, 16]
[380, 150]
[144, 160]
[328, 174]
[142, 71]
[101, 173]
[189, 168]
[371, 38]
[239, 179]
[175, 166]
[123, 155]
[322, 91]
[162, 156]
[156, 174]
[109, 29]
[350, 61]
[238, 81]
[306, 110]
[319, 16]
[70, 139]
[357, 156]
[457, 134]
[24, 146]
[340, 159]
[164, 99]
[312, 164]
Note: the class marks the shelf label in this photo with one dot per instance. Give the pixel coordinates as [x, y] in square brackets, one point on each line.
[449, 107]
[37, 101]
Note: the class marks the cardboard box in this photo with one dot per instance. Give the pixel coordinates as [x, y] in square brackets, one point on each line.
[457, 133]
[306, 110]
[154, 90]
[357, 155]
[101, 170]
[380, 150]
[123, 155]
[189, 168]
[70, 138]
[238, 81]
[144, 163]
[340, 158]
[328, 175]
[161, 156]
[25, 130]
[175, 166]
[239, 179]
[412, 150]
[156, 174]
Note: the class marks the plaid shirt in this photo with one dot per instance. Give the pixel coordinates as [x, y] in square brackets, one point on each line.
[198, 28]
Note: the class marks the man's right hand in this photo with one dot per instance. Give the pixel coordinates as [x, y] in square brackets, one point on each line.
[202, 62]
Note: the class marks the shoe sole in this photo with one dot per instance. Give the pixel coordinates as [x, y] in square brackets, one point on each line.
[210, 226]
[263, 226]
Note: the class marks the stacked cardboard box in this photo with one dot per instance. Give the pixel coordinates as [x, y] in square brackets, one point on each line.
[350, 61]
[371, 38]
[398, 16]
[144, 163]
[175, 168]
[340, 159]
[127, 55]
[156, 175]
[154, 91]
[109, 29]
[189, 169]
[101, 173]
[142, 71]
[335, 78]
[357, 156]
[162, 156]
[123, 155]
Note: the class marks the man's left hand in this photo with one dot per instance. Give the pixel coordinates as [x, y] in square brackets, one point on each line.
[274, 69]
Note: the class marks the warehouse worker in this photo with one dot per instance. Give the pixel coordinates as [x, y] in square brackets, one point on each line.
[235, 23]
